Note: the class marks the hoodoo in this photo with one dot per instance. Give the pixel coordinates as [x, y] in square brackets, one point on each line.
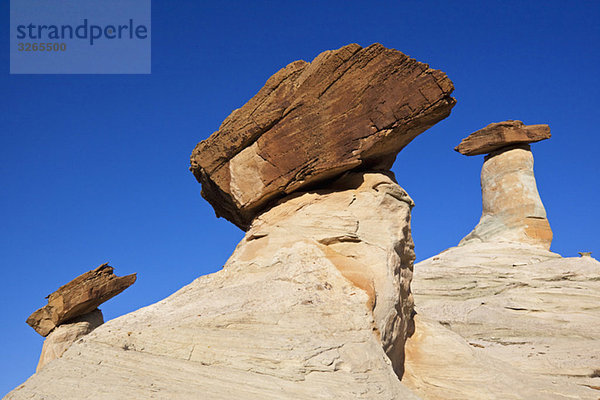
[315, 301]
[318, 300]
[512, 207]
[500, 316]
[72, 310]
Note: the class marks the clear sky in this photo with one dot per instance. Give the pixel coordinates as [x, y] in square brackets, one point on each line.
[95, 167]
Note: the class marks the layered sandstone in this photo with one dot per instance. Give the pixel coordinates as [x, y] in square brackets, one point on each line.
[361, 223]
[534, 314]
[61, 338]
[512, 210]
[79, 297]
[501, 134]
[349, 108]
[314, 303]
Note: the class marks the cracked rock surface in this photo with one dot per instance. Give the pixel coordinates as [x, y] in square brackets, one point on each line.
[497, 135]
[79, 297]
[349, 108]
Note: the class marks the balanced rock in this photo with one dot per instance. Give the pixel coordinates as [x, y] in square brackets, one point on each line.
[78, 297]
[62, 337]
[512, 209]
[501, 134]
[313, 304]
[349, 108]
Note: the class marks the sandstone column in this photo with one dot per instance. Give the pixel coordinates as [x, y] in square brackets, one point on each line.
[63, 336]
[512, 210]
[72, 312]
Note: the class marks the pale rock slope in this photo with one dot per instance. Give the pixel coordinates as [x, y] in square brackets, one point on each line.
[306, 308]
[529, 309]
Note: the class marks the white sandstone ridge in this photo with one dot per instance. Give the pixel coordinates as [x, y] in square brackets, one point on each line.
[512, 207]
[314, 303]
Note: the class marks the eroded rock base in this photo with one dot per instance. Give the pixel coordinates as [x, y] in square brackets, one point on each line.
[512, 207]
[63, 336]
[307, 307]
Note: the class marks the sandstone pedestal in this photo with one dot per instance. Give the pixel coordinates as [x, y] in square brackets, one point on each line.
[512, 209]
[314, 303]
[61, 338]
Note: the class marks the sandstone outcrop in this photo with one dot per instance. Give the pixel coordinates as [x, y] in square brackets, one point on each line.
[314, 303]
[362, 225]
[500, 316]
[351, 108]
[501, 134]
[63, 336]
[512, 209]
[532, 313]
[79, 297]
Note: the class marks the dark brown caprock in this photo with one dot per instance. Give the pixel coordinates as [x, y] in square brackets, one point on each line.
[78, 297]
[351, 108]
[502, 134]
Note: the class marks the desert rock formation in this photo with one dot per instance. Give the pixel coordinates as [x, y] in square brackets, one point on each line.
[512, 207]
[63, 336]
[500, 316]
[497, 135]
[532, 313]
[79, 297]
[315, 302]
[349, 108]
[362, 225]
[307, 307]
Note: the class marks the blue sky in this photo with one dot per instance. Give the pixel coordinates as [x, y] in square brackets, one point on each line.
[95, 167]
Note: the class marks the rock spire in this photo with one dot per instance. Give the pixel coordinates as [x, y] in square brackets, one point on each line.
[512, 207]
[315, 300]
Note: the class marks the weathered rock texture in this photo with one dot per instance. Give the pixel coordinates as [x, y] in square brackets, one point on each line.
[501, 134]
[350, 108]
[307, 307]
[535, 315]
[365, 233]
[512, 207]
[80, 296]
[61, 338]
